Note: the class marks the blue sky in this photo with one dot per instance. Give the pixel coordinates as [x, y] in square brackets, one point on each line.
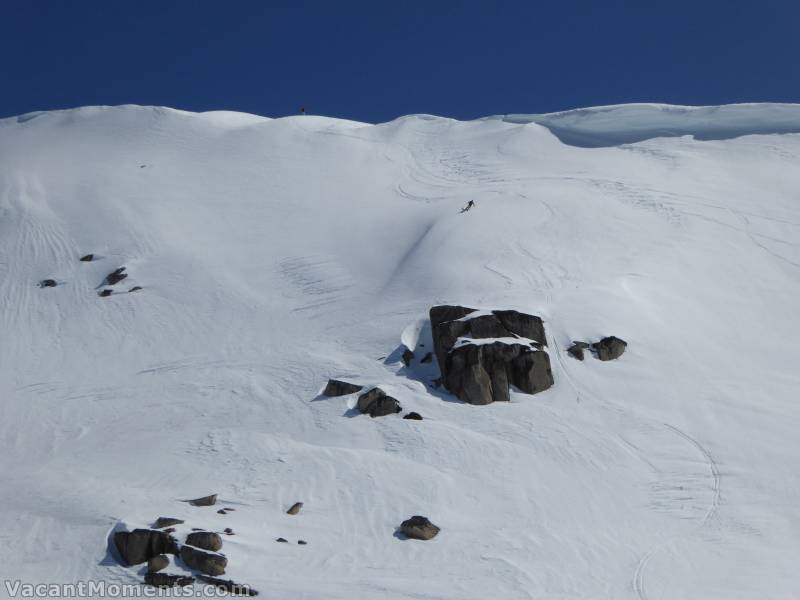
[373, 61]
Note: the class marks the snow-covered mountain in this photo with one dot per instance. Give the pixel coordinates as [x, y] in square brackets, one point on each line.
[274, 254]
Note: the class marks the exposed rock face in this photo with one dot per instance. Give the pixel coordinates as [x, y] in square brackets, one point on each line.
[204, 501]
[480, 373]
[209, 563]
[295, 508]
[376, 403]
[47, 283]
[413, 416]
[140, 545]
[207, 540]
[230, 586]
[163, 580]
[340, 388]
[157, 563]
[527, 326]
[609, 348]
[162, 522]
[87, 258]
[105, 293]
[419, 528]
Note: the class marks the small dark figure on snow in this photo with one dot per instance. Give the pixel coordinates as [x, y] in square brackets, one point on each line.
[302, 110]
[469, 205]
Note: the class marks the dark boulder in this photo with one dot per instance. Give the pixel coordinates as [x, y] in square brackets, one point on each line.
[45, 283]
[340, 388]
[209, 563]
[115, 276]
[162, 522]
[135, 288]
[157, 563]
[376, 403]
[206, 540]
[302, 542]
[295, 508]
[87, 258]
[576, 351]
[140, 545]
[204, 501]
[230, 586]
[105, 293]
[413, 416]
[282, 540]
[419, 528]
[228, 531]
[407, 357]
[162, 580]
[609, 348]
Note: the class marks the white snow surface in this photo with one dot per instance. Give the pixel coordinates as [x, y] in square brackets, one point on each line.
[275, 253]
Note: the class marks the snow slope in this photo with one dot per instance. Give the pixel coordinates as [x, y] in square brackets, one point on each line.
[277, 253]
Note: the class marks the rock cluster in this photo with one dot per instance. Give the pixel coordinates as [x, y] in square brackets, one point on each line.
[609, 348]
[480, 356]
[209, 563]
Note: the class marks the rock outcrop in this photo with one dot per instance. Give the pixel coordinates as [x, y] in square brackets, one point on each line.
[162, 580]
[204, 501]
[419, 528]
[340, 388]
[206, 540]
[209, 563]
[376, 403]
[576, 350]
[140, 545]
[609, 348]
[157, 563]
[407, 357]
[162, 522]
[230, 586]
[481, 356]
[413, 416]
[295, 508]
[116, 276]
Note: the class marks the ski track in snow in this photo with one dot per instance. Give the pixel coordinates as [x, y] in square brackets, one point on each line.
[639, 575]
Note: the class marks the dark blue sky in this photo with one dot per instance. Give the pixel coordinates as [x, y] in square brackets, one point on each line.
[373, 61]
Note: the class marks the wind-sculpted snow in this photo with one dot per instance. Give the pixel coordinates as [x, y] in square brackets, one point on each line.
[275, 254]
[630, 123]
